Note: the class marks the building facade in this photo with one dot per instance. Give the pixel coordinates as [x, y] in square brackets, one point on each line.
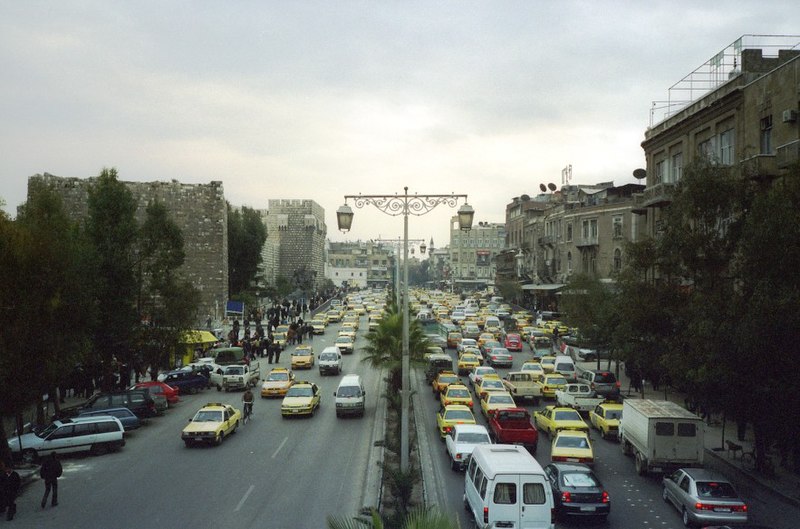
[745, 118]
[200, 212]
[295, 246]
[473, 252]
[360, 264]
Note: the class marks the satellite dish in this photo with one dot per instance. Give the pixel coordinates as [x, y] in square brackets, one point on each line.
[525, 198]
[543, 188]
[551, 186]
[639, 173]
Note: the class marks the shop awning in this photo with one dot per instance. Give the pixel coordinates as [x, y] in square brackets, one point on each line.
[199, 337]
[545, 287]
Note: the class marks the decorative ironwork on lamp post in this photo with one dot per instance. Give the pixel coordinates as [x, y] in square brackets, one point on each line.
[405, 205]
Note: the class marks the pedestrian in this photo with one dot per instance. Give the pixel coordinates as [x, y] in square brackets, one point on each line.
[270, 352]
[277, 353]
[9, 489]
[50, 471]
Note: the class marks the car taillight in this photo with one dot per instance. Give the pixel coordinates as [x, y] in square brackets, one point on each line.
[447, 403]
[566, 497]
[469, 404]
[592, 386]
[447, 429]
[458, 456]
[486, 515]
[604, 498]
[617, 383]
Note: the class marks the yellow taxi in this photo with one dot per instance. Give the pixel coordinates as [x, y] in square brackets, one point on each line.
[277, 383]
[535, 368]
[318, 324]
[467, 362]
[572, 446]
[485, 337]
[554, 324]
[303, 357]
[442, 380]
[279, 336]
[303, 398]
[553, 419]
[333, 316]
[350, 326]
[526, 332]
[549, 383]
[211, 424]
[449, 416]
[347, 331]
[496, 400]
[456, 394]
[605, 417]
[487, 384]
[548, 363]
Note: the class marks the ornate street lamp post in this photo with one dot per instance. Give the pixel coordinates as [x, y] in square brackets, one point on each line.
[398, 242]
[405, 205]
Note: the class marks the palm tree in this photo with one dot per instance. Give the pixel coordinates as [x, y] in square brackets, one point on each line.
[419, 518]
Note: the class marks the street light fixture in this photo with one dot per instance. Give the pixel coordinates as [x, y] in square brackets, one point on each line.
[405, 205]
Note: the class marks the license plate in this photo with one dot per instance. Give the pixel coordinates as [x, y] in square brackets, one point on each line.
[198, 438]
[722, 509]
[587, 509]
[573, 459]
[295, 411]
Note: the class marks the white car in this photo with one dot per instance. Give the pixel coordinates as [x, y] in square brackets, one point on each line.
[466, 342]
[344, 343]
[476, 374]
[460, 442]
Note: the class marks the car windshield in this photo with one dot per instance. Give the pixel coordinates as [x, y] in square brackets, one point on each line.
[475, 438]
[47, 431]
[327, 356]
[501, 399]
[343, 339]
[715, 489]
[613, 414]
[234, 370]
[278, 377]
[567, 415]
[208, 416]
[300, 392]
[458, 393]
[569, 441]
[458, 415]
[348, 391]
[578, 480]
[469, 358]
[532, 367]
[448, 379]
[605, 378]
[556, 381]
[301, 352]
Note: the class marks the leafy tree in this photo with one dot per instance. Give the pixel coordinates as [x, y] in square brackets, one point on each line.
[246, 237]
[166, 301]
[111, 227]
[46, 325]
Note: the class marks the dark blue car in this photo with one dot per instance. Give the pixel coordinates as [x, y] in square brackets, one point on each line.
[128, 419]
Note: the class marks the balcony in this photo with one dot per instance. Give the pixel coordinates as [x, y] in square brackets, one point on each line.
[547, 240]
[657, 195]
[760, 166]
[787, 154]
[586, 242]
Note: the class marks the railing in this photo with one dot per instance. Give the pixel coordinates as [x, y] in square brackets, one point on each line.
[787, 154]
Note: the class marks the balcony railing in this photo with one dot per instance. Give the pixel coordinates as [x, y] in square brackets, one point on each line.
[787, 154]
[759, 166]
[586, 241]
[658, 194]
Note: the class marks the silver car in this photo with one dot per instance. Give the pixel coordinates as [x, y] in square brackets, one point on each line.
[703, 497]
[499, 357]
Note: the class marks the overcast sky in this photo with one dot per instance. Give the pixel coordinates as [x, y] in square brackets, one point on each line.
[302, 99]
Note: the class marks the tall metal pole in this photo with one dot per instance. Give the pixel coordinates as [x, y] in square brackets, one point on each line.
[405, 362]
[397, 271]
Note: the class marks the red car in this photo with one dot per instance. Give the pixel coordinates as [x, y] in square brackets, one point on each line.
[170, 393]
[513, 342]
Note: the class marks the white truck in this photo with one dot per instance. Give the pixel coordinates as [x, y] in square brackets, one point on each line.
[330, 361]
[660, 435]
[522, 385]
[578, 396]
[241, 376]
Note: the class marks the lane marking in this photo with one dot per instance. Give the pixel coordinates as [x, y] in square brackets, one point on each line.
[244, 498]
[279, 447]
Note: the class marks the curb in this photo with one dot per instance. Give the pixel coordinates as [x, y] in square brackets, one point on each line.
[371, 498]
[723, 465]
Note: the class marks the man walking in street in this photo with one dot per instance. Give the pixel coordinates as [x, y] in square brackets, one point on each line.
[51, 470]
[9, 488]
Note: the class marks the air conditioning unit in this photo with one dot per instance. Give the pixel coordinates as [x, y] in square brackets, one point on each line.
[789, 116]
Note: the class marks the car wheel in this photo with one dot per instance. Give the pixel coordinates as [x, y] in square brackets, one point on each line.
[219, 388]
[685, 517]
[453, 465]
[641, 466]
[188, 443]
[218, 440]
[30, 456]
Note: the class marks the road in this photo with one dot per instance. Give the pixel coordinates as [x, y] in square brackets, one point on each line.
[635, 501]
[273, 473]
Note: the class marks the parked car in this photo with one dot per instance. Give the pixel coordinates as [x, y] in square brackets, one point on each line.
[138, 401]
[186, 381]
[159, 388]
[98, 435]
[603, 382]
[577, 491]
[703, 497]
[128, 419]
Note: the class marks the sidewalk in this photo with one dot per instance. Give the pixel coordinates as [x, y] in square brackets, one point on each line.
[783, 484]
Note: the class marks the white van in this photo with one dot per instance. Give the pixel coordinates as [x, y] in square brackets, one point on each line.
[350, 396]
[505, 486]
[565, 366]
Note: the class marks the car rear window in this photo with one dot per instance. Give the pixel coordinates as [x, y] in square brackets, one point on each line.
[605, 377]
[715, 489]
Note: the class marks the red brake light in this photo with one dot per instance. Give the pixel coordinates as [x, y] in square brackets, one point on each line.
[605, 497]
[566, 497]
[617, 384]
[486, 515]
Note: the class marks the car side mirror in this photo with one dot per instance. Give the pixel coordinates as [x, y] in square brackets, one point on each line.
[334, 393]
[363, 393]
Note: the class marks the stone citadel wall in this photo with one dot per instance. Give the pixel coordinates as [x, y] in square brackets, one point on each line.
[200, 212]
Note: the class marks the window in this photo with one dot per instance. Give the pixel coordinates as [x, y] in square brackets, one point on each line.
[482, 490]
[766, 135]
[62, 433]
[705, 149]
[569, 232]
[585, 229]
[593, 228]
[677, 167]
[476, 480]
[659, 176]
[569, 262]
[687, 429]
[726, 151]
[665, 429]
[617, 260]
[616, 227]
[533, 494]
[505, 493]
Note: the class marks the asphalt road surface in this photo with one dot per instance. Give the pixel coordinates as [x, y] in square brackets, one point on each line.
[273, 473]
